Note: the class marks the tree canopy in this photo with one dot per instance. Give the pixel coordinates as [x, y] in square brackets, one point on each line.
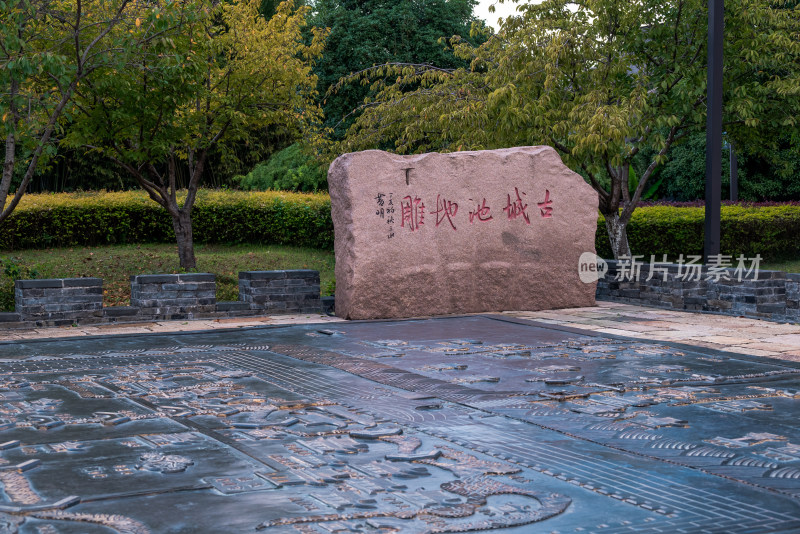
[47, 48]
[602, 81]
[364, 33]
[218, 75]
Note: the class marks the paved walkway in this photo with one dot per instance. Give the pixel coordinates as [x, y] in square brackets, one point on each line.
[731, 334]
[161, 326]
[720, 332]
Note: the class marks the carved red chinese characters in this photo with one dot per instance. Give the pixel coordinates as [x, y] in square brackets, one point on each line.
[412, 213]
[516, 208]
[447, 209]
[545, 207]
[481, 213]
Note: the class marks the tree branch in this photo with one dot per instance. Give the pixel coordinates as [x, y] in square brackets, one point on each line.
[627, 212]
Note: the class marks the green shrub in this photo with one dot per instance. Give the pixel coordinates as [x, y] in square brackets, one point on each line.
[765, 172]
[304, 219]
[89, 219]
[11, 269]
[771, 231]
[291, 169]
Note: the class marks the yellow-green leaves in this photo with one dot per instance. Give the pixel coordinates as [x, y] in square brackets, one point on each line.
[203, 74]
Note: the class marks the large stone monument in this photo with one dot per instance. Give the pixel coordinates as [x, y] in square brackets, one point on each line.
[458, 233]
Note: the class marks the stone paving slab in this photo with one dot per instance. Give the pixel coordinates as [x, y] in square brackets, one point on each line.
[735, 334]
[436, 425]
[162, 326]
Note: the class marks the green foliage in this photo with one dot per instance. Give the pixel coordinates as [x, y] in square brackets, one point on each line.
[80, 169]
[770, 231]
[301, 219]
[27, 60]
[48, 48]
[768, 174]
[790, 266]
[291, 169]
[602, 81]
[685, 173]
[365, 33]
[329, 288]
[12, 269]
[90, 219]
[116, 263]
[218, 75]
[773, 174]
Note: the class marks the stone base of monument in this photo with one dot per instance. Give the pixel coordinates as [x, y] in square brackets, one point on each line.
[464, 232]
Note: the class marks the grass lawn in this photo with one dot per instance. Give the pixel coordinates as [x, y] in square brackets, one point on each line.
[116, 264]
[791, 266]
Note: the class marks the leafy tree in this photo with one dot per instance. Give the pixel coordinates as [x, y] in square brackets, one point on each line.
[270, 7]
[770, 175]
[684, 175]
[80, 169]
[364, 33]
[47, 49]
[220, 74]
[601, 81]
[291, 169]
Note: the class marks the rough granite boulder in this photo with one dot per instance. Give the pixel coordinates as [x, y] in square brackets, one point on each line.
[465, 232]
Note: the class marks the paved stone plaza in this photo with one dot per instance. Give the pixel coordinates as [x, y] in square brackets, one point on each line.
[435, 425]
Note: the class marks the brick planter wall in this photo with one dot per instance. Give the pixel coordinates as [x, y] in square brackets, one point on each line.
[59, 301]
[793, 295]
[770, 295]
[295, 291]
[154, 297]
[174, 296]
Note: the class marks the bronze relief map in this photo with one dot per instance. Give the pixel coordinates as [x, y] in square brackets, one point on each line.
[459, 424]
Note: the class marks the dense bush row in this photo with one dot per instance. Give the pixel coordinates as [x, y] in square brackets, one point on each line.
[89, 219]
[57, 220]
[702, 203]
[771, 231]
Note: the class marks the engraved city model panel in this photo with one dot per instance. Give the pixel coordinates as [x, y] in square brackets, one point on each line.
[443, 425]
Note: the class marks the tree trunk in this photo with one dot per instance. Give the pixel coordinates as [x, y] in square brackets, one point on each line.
[617, 235]
[182, 223]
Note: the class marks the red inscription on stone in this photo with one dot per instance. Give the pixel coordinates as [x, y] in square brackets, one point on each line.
[517, 208]
[447, 210]
[412, 213]
[481, 213]
[544, 207]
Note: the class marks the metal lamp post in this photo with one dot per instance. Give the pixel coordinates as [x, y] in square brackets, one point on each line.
[714, 129]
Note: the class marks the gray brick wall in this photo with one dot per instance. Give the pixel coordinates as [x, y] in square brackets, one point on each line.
[294, 291]
[793, 296]
[59, 301]
[174, 296]
[65, 301]
[771, 295]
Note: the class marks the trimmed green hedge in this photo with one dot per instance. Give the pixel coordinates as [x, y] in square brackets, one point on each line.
[771, 231]
[90, 219]
[304, 219]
